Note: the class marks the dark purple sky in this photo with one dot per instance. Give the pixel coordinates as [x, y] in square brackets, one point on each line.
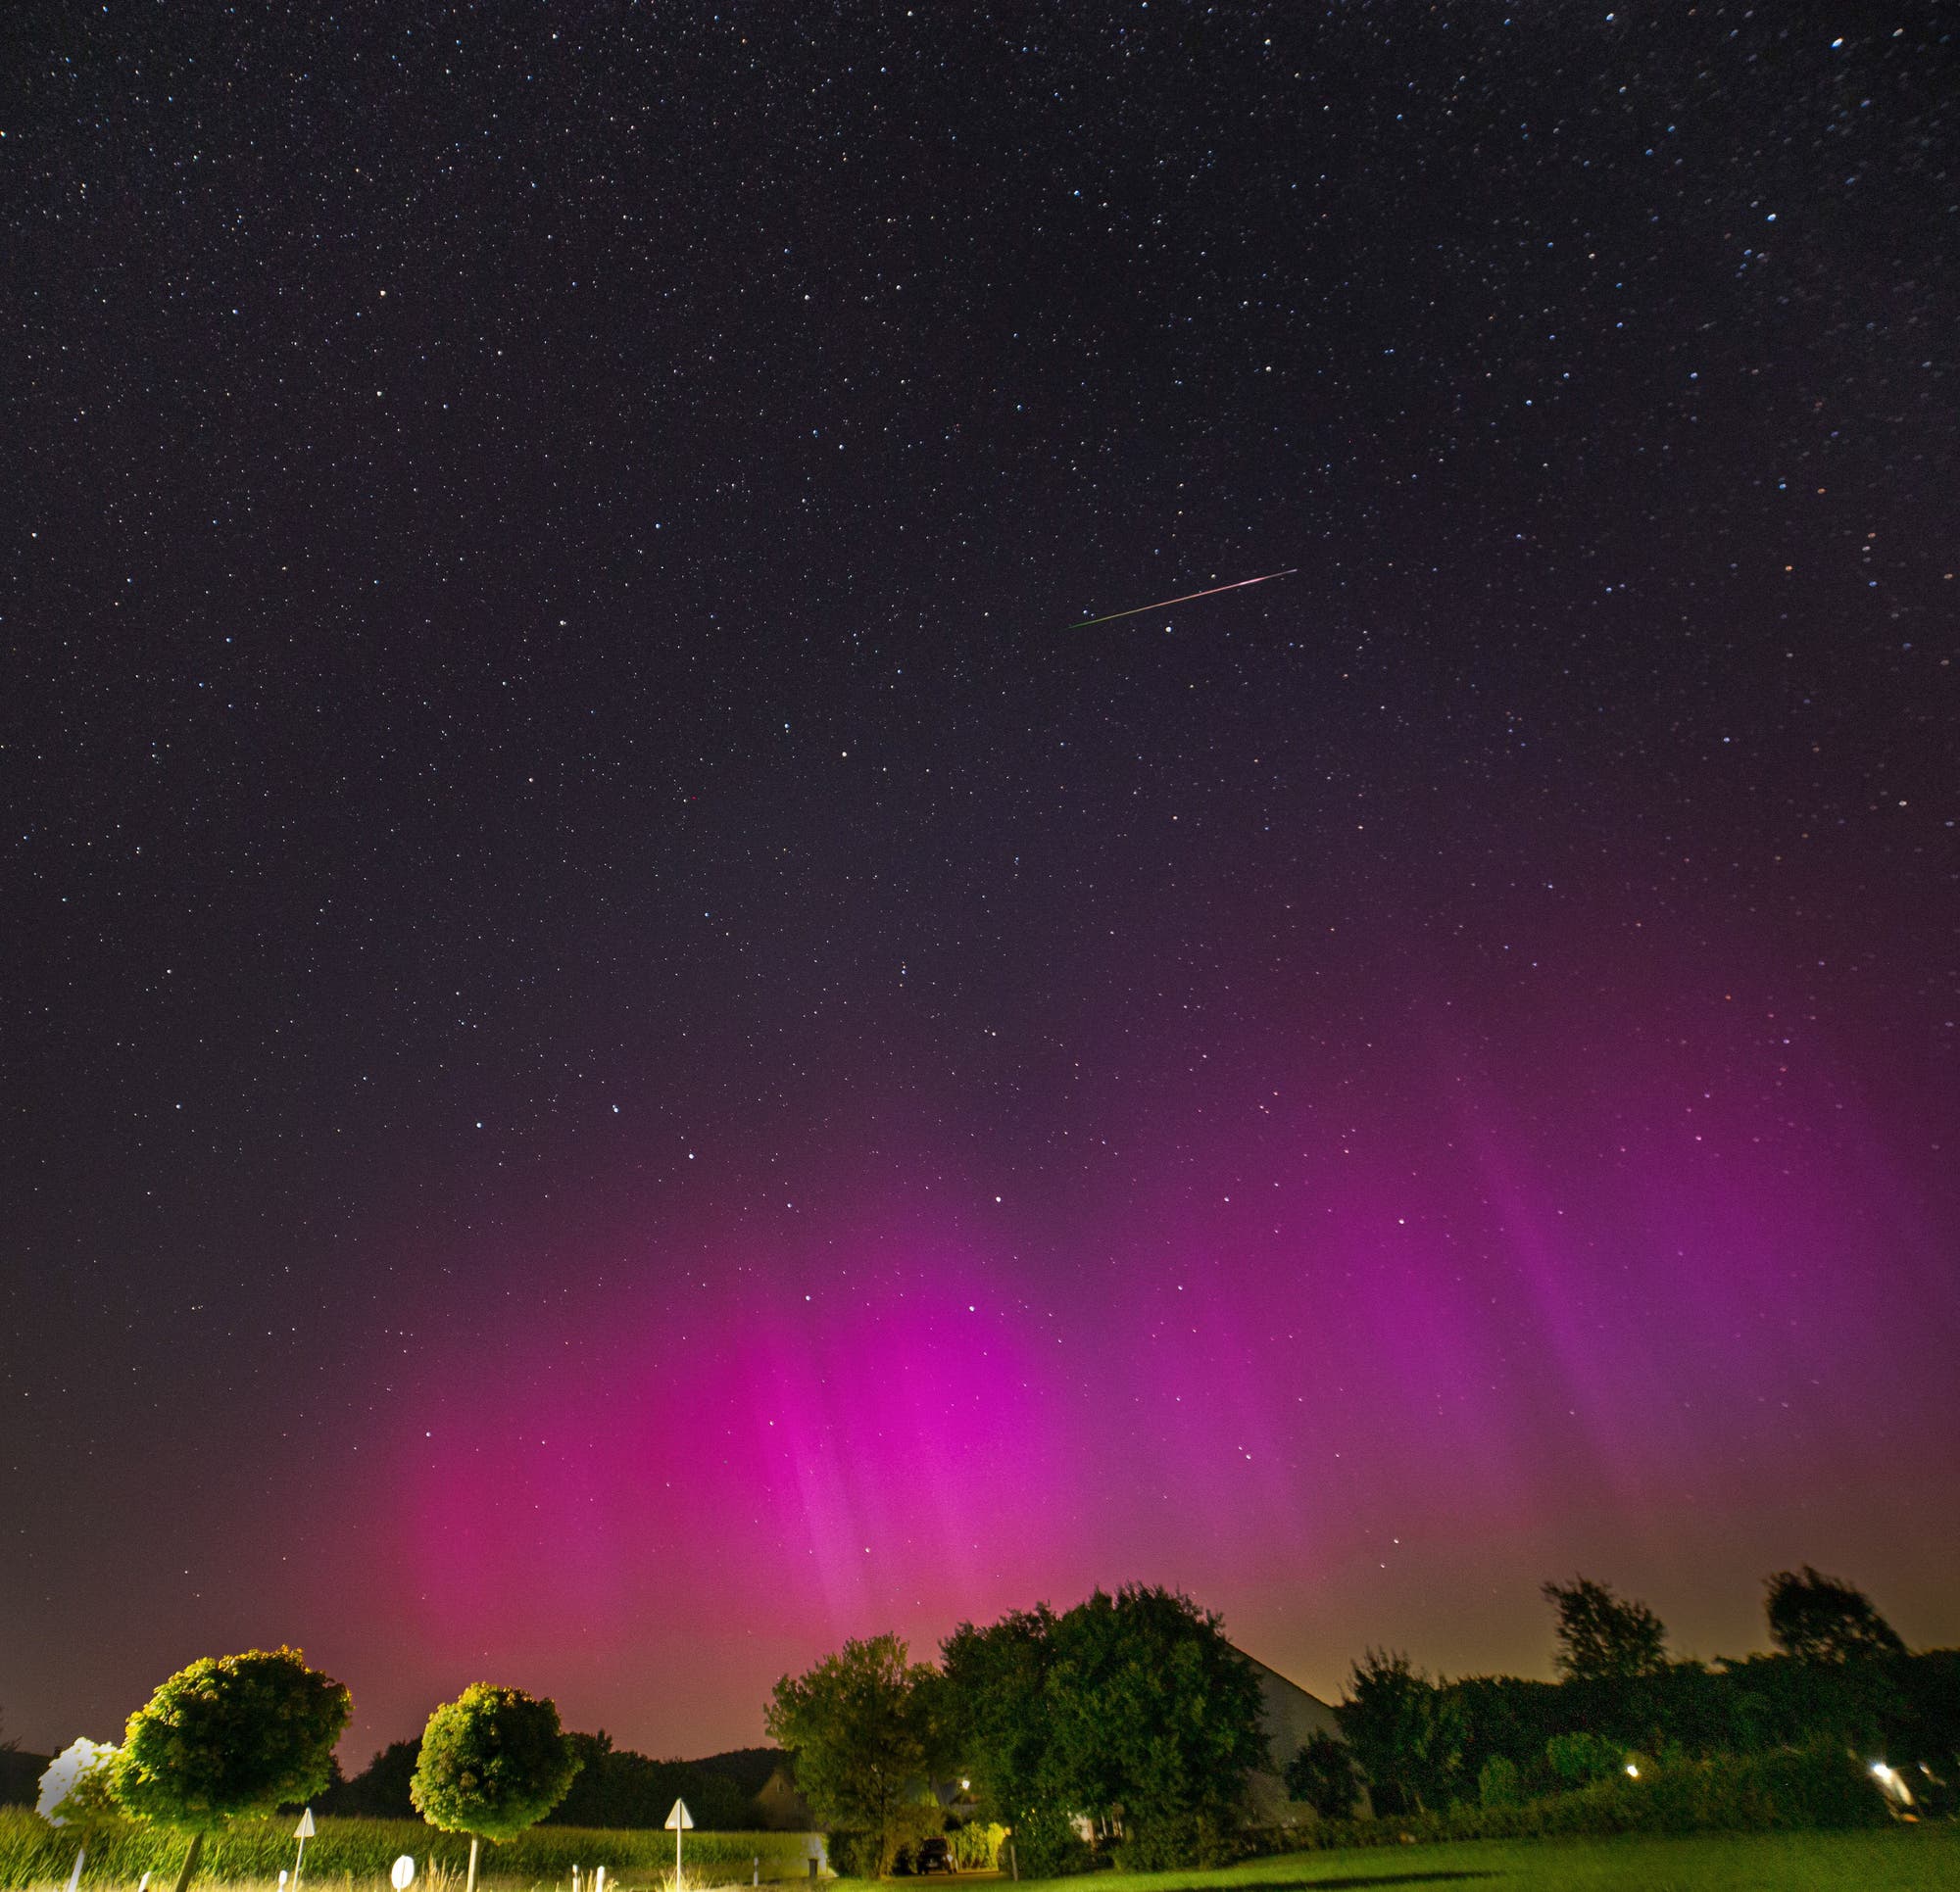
[624, 1057]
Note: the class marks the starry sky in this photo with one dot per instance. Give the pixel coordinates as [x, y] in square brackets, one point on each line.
[623, 1057]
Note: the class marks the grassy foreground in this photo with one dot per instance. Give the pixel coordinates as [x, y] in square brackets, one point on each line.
[1906, 1859]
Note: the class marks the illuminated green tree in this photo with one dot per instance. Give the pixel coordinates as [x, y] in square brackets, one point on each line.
[860, 1728]
[1157, 1722]
[1131, 1709]
[493, 1762]
[228, 1736]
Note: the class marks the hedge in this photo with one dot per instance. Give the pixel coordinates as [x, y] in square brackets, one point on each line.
[1789, 1791]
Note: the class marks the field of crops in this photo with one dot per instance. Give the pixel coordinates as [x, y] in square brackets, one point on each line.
[355, 1855]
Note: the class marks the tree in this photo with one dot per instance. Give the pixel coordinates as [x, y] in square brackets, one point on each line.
[859, 1726]
[1323, 1775]
[1824, 1619]
[1000, 1723]
[227, 1737]
[617, 1788]
[73, 1792]
[380, 1790]
[493, 1762]
[1406, 1733]
[998, 1716]
[1157, 1721]
[1133, 1710]
[1601, 1638]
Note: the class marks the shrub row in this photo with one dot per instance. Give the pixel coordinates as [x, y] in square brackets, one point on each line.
[1792, 1790]
[33, 1853]
[1906, 1707]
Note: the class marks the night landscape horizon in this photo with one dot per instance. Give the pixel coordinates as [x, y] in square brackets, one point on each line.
[631, 1048]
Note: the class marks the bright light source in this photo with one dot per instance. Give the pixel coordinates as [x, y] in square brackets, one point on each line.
[1633, 1770]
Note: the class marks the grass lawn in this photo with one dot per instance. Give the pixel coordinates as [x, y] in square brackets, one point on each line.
[1912, 1858]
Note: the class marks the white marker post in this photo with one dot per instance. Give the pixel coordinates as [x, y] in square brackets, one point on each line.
[403, 1874]
[302, 1832]
[74, 1877]
[679, 1821]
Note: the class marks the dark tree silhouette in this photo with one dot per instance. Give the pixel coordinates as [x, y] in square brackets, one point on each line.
[1601, 1636]
[1824, 1619]
[1323, 1773]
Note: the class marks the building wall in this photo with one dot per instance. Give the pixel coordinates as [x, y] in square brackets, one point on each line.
[1290, 1716]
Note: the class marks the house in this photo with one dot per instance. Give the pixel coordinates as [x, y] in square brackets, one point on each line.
[1290, 1717]
[778, 1805]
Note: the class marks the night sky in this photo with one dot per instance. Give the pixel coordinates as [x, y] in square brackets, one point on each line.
[623, 1057]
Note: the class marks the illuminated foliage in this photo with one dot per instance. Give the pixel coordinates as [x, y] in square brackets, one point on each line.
[493, 1762]
[230, 1735]
[859, 1726]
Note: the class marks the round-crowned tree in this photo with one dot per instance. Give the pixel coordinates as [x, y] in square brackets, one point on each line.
[493, 1762]
[74, 1786]
[227, 1737]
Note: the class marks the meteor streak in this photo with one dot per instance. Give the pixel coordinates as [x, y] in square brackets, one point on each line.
[1238, 584]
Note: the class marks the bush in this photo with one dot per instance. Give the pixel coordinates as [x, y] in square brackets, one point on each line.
[975, 1846]
[1324, 1777]
[1819, 1787]
[1579, 1760]
[1497, 1783]
[1046, 1846]
[852, 1855]
[1195, 1839]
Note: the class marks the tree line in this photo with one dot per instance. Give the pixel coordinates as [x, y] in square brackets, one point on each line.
[1128, 1727]
[1839, 1675]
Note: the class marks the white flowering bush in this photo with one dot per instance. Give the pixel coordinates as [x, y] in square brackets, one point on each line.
[74, 1786]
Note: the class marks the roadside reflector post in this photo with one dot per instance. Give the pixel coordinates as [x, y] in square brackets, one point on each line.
[679, 1821]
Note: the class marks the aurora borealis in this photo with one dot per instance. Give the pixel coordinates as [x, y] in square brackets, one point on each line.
[625, 1059]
